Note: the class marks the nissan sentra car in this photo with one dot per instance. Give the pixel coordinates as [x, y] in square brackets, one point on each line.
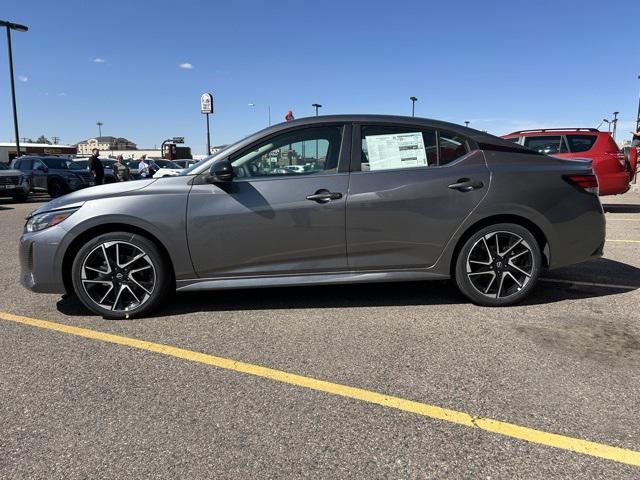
[380, 199]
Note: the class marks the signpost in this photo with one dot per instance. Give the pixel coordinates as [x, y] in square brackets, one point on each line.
[206, 107]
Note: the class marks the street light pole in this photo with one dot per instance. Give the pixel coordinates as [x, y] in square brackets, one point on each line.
[638, 118]
[99, 123]
[20, 28]
[316, 106]
[615, 123]
[413, 105]
[466, 123]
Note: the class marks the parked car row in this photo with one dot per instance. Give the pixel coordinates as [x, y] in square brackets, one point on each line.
[58, 176]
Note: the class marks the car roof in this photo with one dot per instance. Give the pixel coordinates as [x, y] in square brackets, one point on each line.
[556, 131]
[475, 135]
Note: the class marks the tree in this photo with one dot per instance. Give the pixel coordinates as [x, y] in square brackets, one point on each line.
[43, 139]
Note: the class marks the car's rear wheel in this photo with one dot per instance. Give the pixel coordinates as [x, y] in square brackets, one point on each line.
[56, 189]
[120, 275]
[498, 265]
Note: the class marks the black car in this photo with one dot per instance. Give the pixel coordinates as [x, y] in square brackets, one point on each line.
[54, 175]
[107, 163]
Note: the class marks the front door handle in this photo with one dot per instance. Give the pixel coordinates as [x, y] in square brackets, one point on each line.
[466, 185]
[324, 196]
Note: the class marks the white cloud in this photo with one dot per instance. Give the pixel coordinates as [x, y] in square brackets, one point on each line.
[186, 66]
[23, 78]
[99, 60]
[62, 94]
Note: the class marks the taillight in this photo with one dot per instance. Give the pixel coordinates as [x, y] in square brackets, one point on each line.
[588, 183]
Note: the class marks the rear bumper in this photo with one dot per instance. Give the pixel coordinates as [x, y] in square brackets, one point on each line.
[581, 239]
[615, 183]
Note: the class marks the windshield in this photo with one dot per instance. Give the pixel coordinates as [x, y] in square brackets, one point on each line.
[3, 166]
[204, 160]
[61, 164]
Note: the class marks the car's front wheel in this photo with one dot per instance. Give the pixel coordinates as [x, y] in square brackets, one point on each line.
[56, 189]
[120, 275]
[498, 265]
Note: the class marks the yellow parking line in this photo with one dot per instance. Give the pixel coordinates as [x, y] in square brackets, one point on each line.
[622, 241]
[511, 430]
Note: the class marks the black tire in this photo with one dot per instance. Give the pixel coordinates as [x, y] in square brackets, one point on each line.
[149, 293]
[56, 188]
[514, 270]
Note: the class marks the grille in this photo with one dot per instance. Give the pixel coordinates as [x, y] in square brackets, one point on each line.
[9, 180]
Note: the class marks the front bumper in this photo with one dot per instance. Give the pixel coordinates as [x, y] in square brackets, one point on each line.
[41, 258]
[15, 189]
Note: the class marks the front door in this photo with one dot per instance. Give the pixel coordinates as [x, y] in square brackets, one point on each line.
[403, 203]
[39, 175]
[283, 213]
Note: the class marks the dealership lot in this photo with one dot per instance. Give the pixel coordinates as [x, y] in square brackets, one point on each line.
[77, 404]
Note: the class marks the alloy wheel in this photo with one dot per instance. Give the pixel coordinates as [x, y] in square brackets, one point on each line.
[500, 264]
[118, 276]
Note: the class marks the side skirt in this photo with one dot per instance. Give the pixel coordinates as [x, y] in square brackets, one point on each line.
[226, 283]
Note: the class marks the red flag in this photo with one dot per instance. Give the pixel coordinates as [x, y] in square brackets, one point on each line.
[289, 116]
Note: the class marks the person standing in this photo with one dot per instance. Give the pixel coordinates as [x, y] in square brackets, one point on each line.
[121, 171]
[635, 139]
[95, 167]
[143, 167]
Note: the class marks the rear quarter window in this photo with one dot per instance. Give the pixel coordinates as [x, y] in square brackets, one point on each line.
[581, 143]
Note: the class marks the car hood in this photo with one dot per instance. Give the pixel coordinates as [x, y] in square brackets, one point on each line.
[10, 173]
[77, 198]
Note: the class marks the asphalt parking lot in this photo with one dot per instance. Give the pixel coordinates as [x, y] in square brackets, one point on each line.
[355, 381]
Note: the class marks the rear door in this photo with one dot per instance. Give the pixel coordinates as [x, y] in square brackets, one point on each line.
[410, 189]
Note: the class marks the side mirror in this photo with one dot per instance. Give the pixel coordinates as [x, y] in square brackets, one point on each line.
[222, 171]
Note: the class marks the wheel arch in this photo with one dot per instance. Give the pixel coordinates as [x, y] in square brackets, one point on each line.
[535, 230]
[74, 247]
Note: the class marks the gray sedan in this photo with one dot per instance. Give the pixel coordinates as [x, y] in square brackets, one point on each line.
[336, 199]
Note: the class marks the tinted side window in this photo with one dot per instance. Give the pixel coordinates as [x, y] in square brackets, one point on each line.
[306, 151]
[386, 148]
[16, 164]
[452, 146]
[38, 164]
[513, 139]
[547, 144]
[24, 164]
[581, 143]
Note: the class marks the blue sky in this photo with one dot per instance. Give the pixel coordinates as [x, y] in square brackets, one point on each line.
[503, 65]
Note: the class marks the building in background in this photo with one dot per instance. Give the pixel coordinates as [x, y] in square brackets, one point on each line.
[105, 144]
[9, 151]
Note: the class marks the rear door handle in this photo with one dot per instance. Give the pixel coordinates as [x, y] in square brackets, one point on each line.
[466, 185]
[324, 196]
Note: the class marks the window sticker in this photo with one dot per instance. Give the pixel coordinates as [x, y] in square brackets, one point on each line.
[397, 150]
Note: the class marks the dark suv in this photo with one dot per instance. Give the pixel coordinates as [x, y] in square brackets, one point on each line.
[54, 175]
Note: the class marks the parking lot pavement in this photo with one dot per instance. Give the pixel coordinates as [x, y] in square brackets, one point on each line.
[565, 362]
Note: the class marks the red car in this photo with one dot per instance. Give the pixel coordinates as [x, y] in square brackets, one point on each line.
[613, 167]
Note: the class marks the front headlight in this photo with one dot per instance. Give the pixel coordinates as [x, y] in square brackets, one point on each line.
[45, 220]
